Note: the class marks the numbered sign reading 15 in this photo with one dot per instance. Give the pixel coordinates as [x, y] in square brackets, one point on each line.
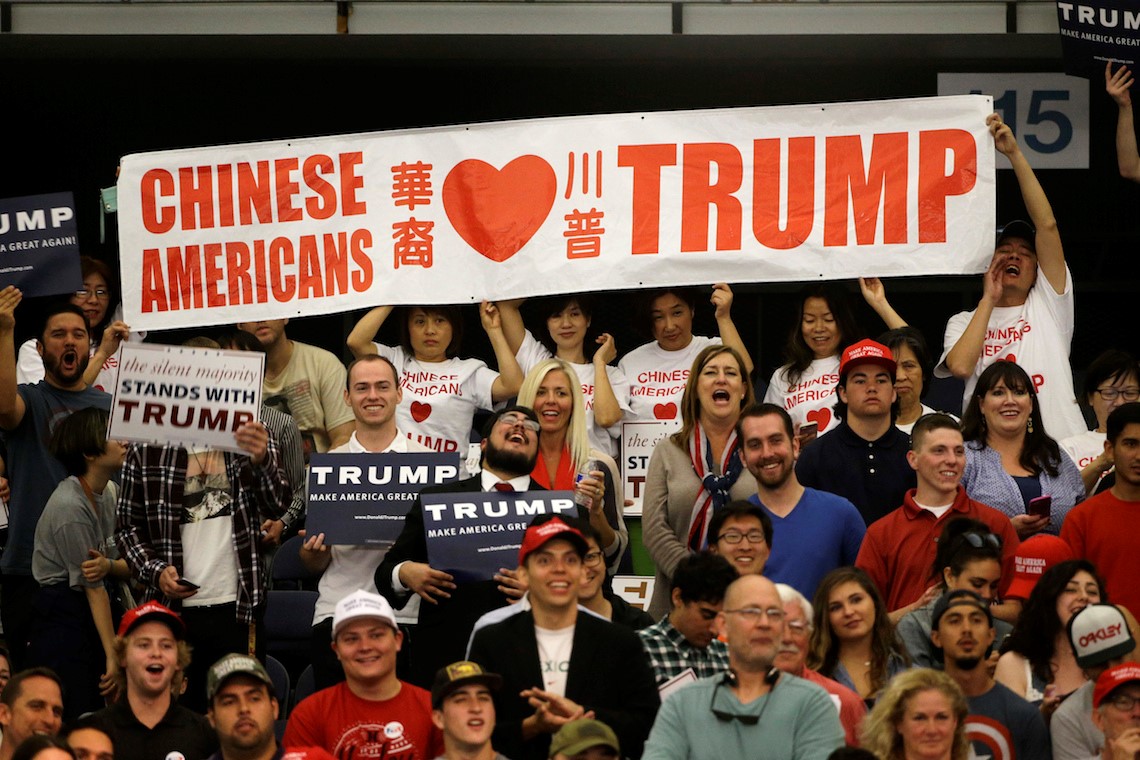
[1049, 113]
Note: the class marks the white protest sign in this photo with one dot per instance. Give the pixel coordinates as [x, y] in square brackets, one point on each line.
[638, 439]
[190, 396]
[526, 208]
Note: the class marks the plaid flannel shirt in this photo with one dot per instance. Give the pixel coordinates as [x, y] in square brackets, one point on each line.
[150, 510]
[670, 653]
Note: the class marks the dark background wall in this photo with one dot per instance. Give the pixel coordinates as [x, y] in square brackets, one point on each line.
[76, 104]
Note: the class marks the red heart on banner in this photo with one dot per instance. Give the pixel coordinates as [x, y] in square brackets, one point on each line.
[665, 411]
[498, 210]
[420, 412]
[820, 417]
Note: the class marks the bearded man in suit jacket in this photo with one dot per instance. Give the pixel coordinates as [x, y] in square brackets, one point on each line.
[510, 448]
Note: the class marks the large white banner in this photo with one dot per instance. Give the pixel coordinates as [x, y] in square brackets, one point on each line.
[490, 211]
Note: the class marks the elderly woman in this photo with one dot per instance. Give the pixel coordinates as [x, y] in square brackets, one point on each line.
[1010, 458]
[554, 392]
[697, 470]
[605, 391]
[921, 716]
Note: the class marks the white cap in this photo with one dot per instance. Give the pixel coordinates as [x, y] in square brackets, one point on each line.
[361, 604]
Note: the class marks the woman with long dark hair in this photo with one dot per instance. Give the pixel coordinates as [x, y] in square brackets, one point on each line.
[853, 640]
[697, 470]
[1037, 654]
[1010, 458]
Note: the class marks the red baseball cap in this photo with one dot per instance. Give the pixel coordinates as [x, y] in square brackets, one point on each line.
[539, 535]
[867, 352]
[152, 611]
[1113, 678]
[1034, 556]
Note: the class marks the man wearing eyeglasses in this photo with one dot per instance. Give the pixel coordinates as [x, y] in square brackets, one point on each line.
[754, 710]
[448, 612]
[1001, 724]
[898, 550]
[1116, 711]
[1102, 529]
[683, 645]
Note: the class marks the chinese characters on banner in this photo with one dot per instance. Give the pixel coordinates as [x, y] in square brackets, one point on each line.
[506, 210]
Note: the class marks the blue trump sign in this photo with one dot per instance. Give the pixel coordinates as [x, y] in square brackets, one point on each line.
[39, 244]
[472, 535]
[362, 499]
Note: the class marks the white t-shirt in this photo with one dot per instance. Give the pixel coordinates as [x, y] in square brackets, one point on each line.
[312, 384]
[1084, 448]
[554, 650]
[909, 427]
[354, 567]
[1038, 336]
[811, 399]
[657, 379]
[207, 532]
[531, 352]
[440, 398]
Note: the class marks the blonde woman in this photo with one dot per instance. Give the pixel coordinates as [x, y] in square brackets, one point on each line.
[921, 716]
[554, 391]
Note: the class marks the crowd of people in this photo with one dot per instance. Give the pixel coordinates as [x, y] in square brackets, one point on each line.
[840, 568]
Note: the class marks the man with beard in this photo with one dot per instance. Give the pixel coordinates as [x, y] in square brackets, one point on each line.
[28, 415]
[813, 532]
[1001, 724]
[243, 709]
[754, 705]
[448, 612]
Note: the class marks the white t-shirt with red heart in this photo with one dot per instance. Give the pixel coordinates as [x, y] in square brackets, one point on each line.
[657, 379]
[811, 398]
[440, 398]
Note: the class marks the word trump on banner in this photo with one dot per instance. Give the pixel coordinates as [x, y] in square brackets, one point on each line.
[472, 535]
[320, 225]
[362, 499]
[194, 396]
[638, 439]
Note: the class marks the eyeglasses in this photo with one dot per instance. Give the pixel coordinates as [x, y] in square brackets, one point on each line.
[734, 537]
[753, 614]
[979, 540]
[83, 294]
[592, 559]
[727, 717]
[510, 420]
[1123, 702]
[1111, 394]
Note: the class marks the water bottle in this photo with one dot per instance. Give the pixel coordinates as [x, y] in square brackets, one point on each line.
[581, 499]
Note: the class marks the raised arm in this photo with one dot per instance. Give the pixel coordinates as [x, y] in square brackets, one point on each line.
[510, 377]
[729, 336]
[876, 297]
[1118, 85]
[1050, 254]
[113, 336]
[360, 339]
[11, 403]
[513, 328]
[962, 359]
[607, 410]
